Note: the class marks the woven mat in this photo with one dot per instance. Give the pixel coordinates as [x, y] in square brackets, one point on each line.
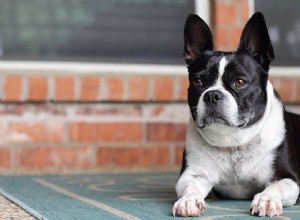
[113, 196]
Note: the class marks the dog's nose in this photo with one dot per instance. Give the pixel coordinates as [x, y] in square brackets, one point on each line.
[213, 97]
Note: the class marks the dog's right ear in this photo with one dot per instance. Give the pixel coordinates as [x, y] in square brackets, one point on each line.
[197, 38]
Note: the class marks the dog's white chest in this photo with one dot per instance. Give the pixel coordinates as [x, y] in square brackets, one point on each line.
[243, 175]
[237, 157]
[236, 173]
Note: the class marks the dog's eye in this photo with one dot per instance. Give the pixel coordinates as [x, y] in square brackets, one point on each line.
[197, 82]
[239, 83]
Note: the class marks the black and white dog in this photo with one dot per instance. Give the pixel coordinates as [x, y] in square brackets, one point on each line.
[240, 142]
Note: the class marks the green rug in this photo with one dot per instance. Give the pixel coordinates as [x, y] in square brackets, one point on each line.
[113, 196]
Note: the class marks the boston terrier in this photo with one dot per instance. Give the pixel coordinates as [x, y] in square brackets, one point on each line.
[240, 141]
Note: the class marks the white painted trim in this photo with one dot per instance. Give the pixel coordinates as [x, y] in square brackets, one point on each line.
[202, 8]
[280, 71]
[293, 108]
[24, 67]
[29, 67]
[251, 5]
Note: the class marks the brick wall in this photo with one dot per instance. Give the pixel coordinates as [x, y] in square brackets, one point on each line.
[70, 120]
[83, 118]
[73, 122]
[105, 136]
[228, 20]
[91, 88]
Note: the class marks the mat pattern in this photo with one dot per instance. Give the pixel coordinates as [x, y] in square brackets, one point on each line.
[113, 196]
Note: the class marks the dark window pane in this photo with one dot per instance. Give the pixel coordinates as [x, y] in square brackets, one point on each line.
[283, 20]
[149, 31]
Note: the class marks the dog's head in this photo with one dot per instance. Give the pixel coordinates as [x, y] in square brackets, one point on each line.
[227, 89]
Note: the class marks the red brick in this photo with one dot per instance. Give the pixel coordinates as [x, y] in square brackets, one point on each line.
[225, 14]
[64, 88]
[115, 89]
[106, 156]
[235, 37]
[41, 157]
[297, 90]
[156, 156]
[245, 14]
[183, 87]
[125, 156]
[38, 88]
[133, 156]
[36, 132]
[138, 89]
[221, 35]
[111, 132]
[163, 88]
[178, 155]
[166, 132]
[285, 89]
[12, 88]
[89, 87]
[4, 157]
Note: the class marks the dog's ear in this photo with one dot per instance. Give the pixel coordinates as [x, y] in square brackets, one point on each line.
[197, 38]
[255, 40]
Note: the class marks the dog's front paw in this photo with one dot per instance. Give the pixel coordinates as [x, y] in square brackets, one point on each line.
[189, 206]
[266, 205]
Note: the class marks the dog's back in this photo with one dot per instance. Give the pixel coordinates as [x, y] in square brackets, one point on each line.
[293, 138]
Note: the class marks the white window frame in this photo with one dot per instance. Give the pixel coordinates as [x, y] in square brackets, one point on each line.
[202, 8]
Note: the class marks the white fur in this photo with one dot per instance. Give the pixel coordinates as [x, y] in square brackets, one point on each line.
[280, 193]
[210, 162]
[230, 136]
[222, 64]
[226, 136]
[229, 106]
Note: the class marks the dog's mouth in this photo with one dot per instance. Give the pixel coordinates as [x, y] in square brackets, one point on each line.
[210, 119]
[215, 118]
[207, 121]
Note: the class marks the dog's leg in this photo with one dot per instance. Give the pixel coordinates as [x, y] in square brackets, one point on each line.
[280, 193]
[191, 191]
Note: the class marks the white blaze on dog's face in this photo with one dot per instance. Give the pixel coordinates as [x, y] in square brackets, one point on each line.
[216, 104]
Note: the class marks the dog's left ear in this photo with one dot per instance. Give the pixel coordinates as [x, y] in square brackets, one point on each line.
[197, 38]
[255, 40]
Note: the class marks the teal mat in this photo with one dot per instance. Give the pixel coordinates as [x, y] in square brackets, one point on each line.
[113, 196]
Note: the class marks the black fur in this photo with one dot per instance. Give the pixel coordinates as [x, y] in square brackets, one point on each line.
[287, 162]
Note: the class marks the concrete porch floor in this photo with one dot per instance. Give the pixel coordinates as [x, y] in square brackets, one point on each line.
[10, 211]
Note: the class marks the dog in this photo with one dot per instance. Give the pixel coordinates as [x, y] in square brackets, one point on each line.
[240, 141]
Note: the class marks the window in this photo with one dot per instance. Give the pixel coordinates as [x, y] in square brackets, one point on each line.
[136, 31]
[283, 20]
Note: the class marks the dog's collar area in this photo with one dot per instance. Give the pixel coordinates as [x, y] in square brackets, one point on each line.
[237, 156]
